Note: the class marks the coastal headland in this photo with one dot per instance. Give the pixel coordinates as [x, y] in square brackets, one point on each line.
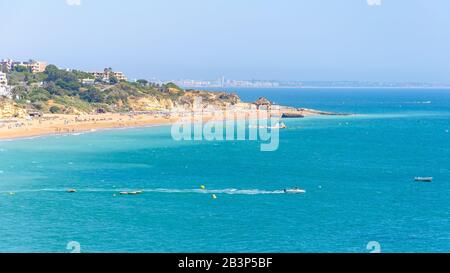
[56, 101]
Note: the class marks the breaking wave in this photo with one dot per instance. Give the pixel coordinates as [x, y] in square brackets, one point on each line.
[156, 190]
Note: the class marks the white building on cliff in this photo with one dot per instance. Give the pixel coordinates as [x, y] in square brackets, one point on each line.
[5, 90]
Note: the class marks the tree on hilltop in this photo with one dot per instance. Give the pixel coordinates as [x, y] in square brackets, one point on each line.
[142, 82]
[113, 80]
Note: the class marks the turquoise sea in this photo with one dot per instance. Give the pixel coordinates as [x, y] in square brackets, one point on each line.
[357, 172]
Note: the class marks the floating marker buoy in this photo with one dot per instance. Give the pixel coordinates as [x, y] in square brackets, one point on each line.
[214, 196]
[202, 187]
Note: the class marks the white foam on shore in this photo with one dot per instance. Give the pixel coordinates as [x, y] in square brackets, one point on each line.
[224, 191]
[419, 102]
[83, 132]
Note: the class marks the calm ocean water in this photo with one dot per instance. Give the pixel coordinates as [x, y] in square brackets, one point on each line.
[358, 173]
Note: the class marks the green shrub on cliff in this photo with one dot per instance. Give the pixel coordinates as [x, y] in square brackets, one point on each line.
[75, 103]
[63, 89]
[172, 86]
[93, 95]
[55, 109]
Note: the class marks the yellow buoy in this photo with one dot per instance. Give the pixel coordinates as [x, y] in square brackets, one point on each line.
[202, 187]
[214, 196]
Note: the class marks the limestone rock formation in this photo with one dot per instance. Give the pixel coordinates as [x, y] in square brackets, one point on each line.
[10, 109]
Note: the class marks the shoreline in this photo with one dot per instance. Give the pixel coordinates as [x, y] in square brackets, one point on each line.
[59, 124]
[80, 132]
[53, 125]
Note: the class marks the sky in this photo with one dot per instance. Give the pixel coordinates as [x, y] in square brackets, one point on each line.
[364, 40]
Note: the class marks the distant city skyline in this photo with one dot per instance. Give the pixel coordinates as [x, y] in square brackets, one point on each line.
[223, 82]
[359, 40]
[219, 82]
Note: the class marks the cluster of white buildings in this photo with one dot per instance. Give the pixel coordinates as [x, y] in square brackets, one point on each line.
[32, 65]
[251, 84]
[5, 90]
[222, 82]
[8, 65]
[107, 73]
[196, 83]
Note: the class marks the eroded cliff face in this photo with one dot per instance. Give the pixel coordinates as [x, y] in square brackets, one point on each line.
[150, 104]
[216, 99]
[166, 102]
[10, 109]
[183, 101]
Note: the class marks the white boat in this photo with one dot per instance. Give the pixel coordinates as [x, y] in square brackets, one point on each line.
[279, 126]
[423, 179]
[294, 191]
[276, 126]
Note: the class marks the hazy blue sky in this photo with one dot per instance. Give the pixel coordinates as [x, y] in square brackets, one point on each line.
[398, 40]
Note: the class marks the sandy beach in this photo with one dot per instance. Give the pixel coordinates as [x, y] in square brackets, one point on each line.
[64, 124]
[50, 124]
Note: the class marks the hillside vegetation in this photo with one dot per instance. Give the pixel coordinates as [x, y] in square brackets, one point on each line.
[62, 91]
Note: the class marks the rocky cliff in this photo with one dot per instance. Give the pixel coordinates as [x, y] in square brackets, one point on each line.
[183, 100]
[10, 109]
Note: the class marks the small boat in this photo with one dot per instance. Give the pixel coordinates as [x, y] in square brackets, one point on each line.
[280, 126]
[294, 191]
[124, 193]
[71, 190]
[423, 179]
[276, 126]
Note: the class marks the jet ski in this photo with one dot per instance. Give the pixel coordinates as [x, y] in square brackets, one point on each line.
[423, 179]
[130, 192]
